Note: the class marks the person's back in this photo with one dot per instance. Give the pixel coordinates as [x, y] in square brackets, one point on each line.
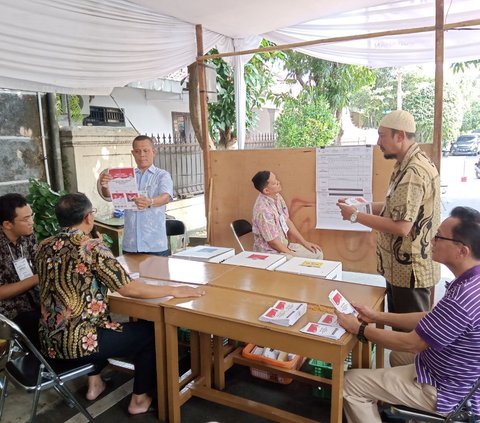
[74, 299]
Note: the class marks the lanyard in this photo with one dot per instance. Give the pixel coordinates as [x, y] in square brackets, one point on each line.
[11, 253]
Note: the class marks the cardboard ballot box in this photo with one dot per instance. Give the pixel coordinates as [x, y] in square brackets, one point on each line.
[206, 253]
[259, 260]
[312, 267]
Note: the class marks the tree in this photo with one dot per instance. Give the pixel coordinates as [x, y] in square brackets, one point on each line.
[258, 80]
[335, 82]
[306, 121]
[471, 119]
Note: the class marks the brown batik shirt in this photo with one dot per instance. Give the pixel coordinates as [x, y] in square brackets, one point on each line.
[25, 247]
[413, 196]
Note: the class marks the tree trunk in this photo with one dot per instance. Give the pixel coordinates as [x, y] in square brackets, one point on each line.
[194, 106]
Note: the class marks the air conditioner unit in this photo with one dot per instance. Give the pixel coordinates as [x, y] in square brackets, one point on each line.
[85, 104]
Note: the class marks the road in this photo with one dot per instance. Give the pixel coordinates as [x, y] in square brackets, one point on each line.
[459, 192]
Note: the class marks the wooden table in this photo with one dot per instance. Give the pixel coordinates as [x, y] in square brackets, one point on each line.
[226, 312]
[174, 271]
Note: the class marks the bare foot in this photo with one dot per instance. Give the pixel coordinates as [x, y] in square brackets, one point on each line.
[96, 386]
[139, 404]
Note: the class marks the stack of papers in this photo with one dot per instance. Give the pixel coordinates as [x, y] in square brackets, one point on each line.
[284, 313]
[312, 267]
[341, 303]
[326, 331]
[258, 260]
[206, 253]
[326, 326]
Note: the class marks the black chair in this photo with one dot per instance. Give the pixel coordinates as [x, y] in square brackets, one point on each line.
[176, 228]
[462, 413]
[27, 369]
[240, 228]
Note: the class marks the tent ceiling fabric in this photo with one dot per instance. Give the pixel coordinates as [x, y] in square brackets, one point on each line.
[91, 46]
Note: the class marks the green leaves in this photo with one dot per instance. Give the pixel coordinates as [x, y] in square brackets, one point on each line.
[43, 200]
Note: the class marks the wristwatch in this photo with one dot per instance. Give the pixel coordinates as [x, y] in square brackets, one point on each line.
[151, 203]
[361, 333]
[354, 216]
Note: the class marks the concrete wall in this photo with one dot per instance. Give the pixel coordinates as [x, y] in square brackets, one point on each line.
[149, 111]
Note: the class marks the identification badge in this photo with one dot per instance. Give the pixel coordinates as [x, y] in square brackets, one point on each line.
[23, 269]
[283, 224]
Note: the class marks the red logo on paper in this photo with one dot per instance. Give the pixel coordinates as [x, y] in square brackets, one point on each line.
[328, 319]
[337, 298]
[312, 328]
[271, 313]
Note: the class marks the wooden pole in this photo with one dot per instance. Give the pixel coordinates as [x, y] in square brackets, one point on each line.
[439, 58]
[202, 84]
[446, 27]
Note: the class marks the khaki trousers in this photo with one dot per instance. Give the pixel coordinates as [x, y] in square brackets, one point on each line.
[363, 388]
[301, 251]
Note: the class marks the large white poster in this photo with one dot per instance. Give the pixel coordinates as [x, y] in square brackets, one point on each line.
[342, 172]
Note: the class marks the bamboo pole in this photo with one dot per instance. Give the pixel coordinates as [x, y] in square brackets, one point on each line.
[202, 84]
[454, 25]
[438, 107]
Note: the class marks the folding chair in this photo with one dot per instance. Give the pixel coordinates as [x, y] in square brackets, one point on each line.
[176, 228]
[27, 369]
[240, 228]
[462, 413]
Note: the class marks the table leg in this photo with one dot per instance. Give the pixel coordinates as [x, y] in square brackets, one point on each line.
[337, 393]
[357, 356]
[173, 384]
[218, 363]
[194, 353]
[206, 358]
[160, 360]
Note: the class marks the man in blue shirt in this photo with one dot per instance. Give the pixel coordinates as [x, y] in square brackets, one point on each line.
[144, 230]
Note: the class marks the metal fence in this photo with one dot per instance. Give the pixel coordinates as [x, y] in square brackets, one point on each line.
[183, 159]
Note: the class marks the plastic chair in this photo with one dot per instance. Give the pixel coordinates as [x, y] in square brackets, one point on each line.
[462, 413]
[240, 228]
[27, 369]
[176, 228]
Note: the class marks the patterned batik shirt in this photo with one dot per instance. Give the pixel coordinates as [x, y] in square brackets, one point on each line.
[75, 274]
[26, 246]
[266, 224]
[413, 196]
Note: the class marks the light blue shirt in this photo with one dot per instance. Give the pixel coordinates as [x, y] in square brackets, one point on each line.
[144, 230]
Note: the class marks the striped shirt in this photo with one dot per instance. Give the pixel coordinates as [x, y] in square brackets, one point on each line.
[451, 363]
[145, 230]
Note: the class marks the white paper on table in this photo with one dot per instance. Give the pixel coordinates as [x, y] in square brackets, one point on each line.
[326, 331]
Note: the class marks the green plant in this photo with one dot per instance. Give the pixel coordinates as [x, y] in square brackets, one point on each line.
[43, 200]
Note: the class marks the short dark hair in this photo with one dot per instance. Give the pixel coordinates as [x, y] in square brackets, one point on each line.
[143, 138]
[71, 209]
[8, 205]
[260, 180]
[410, 135]
[468, 230]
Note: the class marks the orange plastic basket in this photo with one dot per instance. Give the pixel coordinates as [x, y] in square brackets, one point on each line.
[295, 363]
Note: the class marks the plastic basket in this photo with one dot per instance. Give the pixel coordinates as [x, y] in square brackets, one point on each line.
[295, 363]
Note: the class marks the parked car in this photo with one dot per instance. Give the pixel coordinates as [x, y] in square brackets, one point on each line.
[466, 144]
[477, 169]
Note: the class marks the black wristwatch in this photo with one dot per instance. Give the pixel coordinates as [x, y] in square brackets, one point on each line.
[361, 332]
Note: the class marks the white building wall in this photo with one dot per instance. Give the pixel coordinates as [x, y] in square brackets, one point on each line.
[149, 111]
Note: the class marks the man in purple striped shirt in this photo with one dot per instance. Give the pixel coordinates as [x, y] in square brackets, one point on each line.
[440, 356]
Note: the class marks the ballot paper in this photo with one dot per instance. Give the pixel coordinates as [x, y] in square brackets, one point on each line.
[284, 313]
[341, 303]
[360, 204]
[326, 331]
[123, 188]
[329, 320]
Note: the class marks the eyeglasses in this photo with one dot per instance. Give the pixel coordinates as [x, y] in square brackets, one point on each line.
[438, 237]
[25, 219]
[93, 211]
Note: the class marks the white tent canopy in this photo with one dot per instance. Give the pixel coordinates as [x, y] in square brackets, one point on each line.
[91, 46]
